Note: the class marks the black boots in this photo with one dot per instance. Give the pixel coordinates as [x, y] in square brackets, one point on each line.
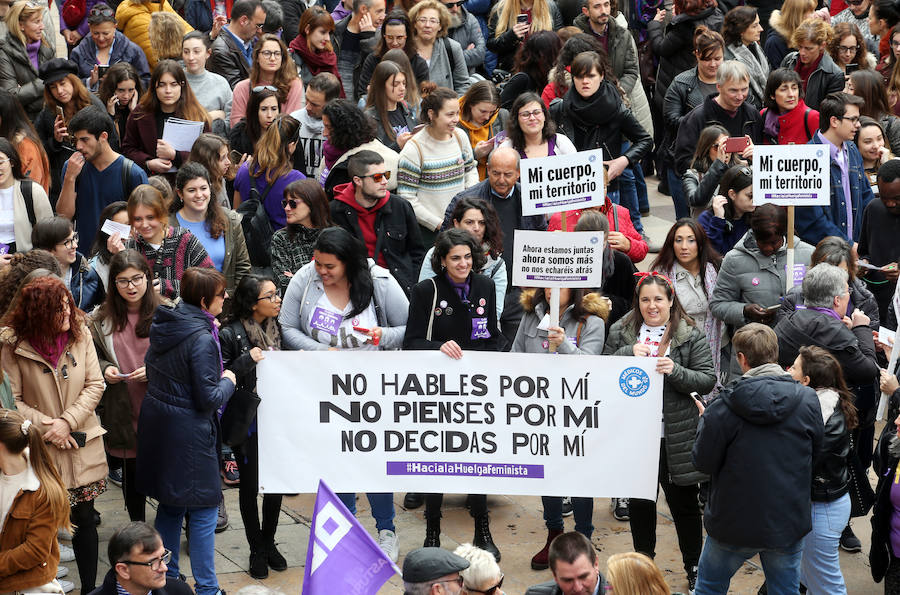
[432, 532]
[483, 537]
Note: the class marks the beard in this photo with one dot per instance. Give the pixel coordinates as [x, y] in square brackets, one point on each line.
[455, 21]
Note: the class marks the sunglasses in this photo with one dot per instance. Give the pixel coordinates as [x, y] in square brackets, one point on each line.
[290, 202]
[489, 591]
[452, 4]
[377, 177]
[262, 88]
[101, 12]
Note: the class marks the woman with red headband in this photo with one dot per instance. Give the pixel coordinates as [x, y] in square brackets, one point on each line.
[658, 327]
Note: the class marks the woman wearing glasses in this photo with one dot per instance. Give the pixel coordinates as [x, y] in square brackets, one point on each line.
[106, 46]
[306, 213]
[55, 378]
[57, 236]
[531, 132]
[23, 51]
[848, 47]
[444, 56]
[250, 332]
[396, 34]
[121, 332]
[274, 70]
[177, 458]
[169, 96]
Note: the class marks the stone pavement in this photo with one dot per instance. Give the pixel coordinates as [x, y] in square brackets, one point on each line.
[516, 523]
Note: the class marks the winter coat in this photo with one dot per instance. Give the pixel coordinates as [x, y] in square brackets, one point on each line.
[408, 117]
[469, 32]
[123, 50]
[693, 371]
[133, 19]
[753, 57]
[675, 46]
[185, 387]
[699, 188]
[682, 96]
[853, 348]
[86, 287]
[227, 59]
[860, 297]
[775, 48]
[236, 265]
[826, 79]
[710, 112]
[236, 356]
[19, 76]
[173, 586]
[70, 391]
[584, 335]
[757, 441]
[622, 54]
[796, 127]
[748, 277]
[304, 291]
[30, 551]
[447, 67]
[506, 45]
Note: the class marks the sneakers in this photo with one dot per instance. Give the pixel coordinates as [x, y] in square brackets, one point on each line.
[230, 474]
[387, 541]
[619, 509]
[541, 560]
[692, 579]
[259, 568]
[849, 541]
[567, 509]
[66, 553]
[413, 500]
[222, 521]
[274, 558]
[62, 571]
[115, 476]
[67, 586]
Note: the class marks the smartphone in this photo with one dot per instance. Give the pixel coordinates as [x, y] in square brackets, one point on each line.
[80, 438]
[851, 68]
[696, 397]
[772, 308]
[522, 18]
[235, 157]
[60, 112]
[736, 144]
[101, 71]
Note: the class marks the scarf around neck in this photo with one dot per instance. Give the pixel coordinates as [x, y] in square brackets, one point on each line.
[53, 349]
[315, 60]
[265, 335]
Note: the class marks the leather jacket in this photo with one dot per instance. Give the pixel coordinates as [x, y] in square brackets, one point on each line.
[831, 477]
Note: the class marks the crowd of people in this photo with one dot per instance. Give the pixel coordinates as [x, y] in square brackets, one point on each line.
[353, 184]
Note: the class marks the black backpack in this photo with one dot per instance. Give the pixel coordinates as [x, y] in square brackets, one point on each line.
[257, 228]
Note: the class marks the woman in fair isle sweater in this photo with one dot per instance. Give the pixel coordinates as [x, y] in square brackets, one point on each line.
[437, 163]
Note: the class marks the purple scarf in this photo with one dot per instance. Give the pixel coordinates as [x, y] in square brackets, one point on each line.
[51, 350]
[215, 333]
[33, 49]
[462, 289]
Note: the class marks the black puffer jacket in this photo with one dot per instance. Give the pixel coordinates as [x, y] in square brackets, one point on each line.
[682, 96]
[675, 46]
[831, 476]
[860, 297]
[887, 455]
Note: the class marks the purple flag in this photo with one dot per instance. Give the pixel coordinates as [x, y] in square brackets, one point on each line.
[342, 557]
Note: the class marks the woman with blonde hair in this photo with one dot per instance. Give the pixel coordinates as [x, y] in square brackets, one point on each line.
[272, 69]
[444, 56]
[166, 33]
[19, 66]
[818, 72]
[783, 23]
[506, 32]
[483, 574]
[632, 573]
[133, 19]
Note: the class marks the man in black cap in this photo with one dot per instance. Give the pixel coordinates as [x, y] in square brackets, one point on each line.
[433, 571]
[575, 568]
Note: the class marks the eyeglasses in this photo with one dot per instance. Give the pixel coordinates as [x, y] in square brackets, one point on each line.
[155, 563]
[895, 44]
[272, 297]
[848, 49]
[532, 114]
[135, 281]
[490, 591]
[270, 53]
[427, 21]
[259, 26]
[71, 242]
[377, 177]
[290, 202]
[853, 119]
[222, 294]
[262, 88]
[458, 580]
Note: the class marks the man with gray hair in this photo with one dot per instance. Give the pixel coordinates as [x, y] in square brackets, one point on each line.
[828, 320]
[433, 571]
[729, 109]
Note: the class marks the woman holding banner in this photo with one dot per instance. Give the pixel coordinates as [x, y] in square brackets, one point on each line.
[581, 330]
[453, 312]
[657, 326]
[344, 301]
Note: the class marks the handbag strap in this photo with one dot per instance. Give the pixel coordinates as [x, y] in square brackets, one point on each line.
[431, 315]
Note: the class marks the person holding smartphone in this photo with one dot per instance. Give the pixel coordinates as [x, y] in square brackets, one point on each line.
[511, 21]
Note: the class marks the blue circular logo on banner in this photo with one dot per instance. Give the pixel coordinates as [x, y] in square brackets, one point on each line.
[634, 382]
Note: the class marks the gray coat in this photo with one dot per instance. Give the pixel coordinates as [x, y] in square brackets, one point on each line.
[469, 32]
[622, 52]
[588, 333]
[693, 371]
[440, 70]
[306, 288]
[20, 77]
[748, 277]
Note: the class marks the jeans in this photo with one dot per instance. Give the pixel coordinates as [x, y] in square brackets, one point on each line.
[382, 508]
[202, 524]
[582, 507]
[678, 198]
[628, 197]
[820, 567]
[641, 184]
[720, 561]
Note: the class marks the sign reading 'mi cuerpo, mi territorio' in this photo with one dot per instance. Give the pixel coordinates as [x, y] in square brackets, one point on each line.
[562, 182]
[548, 259]
[489, 423]
[791, 175]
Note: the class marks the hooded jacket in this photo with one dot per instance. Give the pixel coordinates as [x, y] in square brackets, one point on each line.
[757, 442]
[389, 230]
[184, 388]
[693, 371]
[19, 76]
[584, 335]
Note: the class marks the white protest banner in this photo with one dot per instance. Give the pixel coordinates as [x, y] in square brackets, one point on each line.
[791, 175]
[490, 423]
[562, 182]
[548, 259]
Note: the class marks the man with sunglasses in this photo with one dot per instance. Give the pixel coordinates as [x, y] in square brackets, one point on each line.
[232, 50]
[464, 28]
[139, 564]
[385, 222]
[433, 571]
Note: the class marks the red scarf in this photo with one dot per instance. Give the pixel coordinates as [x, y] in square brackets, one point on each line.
[316, 61]
[51, 350]
[806, 70]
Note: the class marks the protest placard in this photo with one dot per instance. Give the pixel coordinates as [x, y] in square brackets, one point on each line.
[562, 182]
[548, 259]
[791, 175]
[489, 423]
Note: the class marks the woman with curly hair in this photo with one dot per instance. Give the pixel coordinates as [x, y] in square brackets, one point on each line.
[46, 331]
[444, 55]
[396, 34]
[818, 72]
[848, 47]
[534, 59]
[741, 31]
[166, 33]
[272, 69]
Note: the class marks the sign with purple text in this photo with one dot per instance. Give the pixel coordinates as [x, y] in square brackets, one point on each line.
[552, 259]
[791, 175]
[489, 423]
[562, 182]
